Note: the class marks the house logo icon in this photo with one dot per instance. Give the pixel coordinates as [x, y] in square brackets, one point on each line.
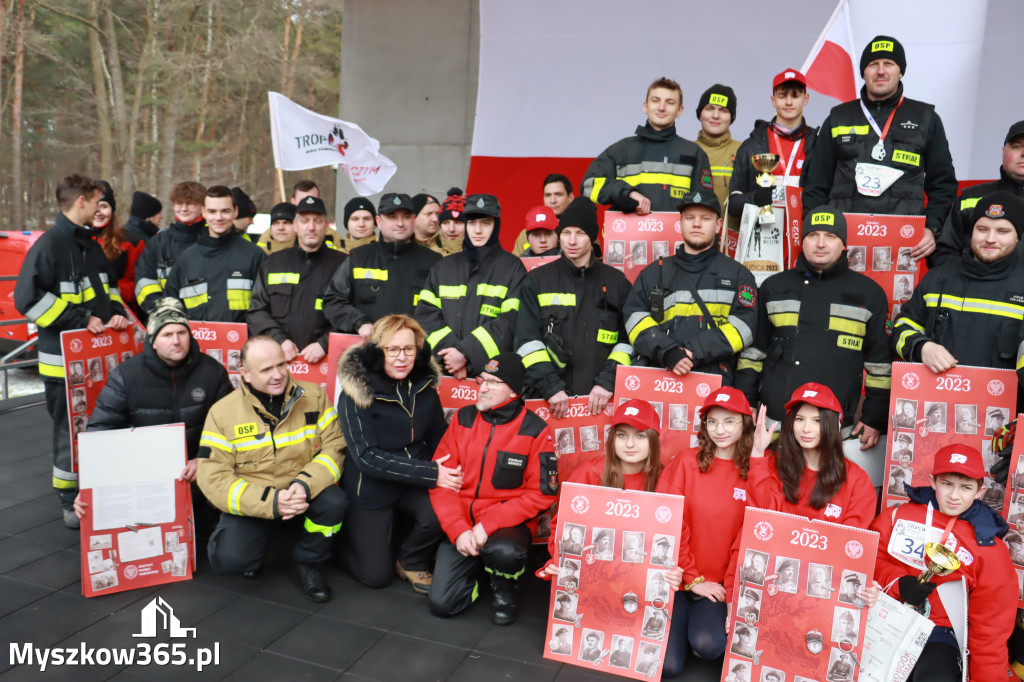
[158, 615]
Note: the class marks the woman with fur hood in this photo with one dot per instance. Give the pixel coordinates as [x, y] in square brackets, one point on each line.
[392, 419]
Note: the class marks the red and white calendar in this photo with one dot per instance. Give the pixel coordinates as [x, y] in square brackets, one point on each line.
[1012, 503]
[610, 604]
[88, 360]
[223, 342]
[927, 411]
[632, 242]
[879, 246]
[796, 610]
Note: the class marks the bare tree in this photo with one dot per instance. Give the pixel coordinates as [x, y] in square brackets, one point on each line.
[17, 198]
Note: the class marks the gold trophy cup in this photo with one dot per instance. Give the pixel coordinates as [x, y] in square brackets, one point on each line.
[765, 163]
[939, 560]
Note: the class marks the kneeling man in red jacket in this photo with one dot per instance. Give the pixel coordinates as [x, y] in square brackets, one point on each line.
[510, 474]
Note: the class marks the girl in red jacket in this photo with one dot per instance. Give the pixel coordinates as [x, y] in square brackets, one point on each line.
[632, 461]
[713, 478]
[807, 473]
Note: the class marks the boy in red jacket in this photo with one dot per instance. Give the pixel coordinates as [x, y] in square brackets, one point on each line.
[510, 474]
[951, 512]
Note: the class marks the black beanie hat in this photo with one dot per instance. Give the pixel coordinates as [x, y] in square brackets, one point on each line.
[358, 204]
[508, 367]
[580, 213]
[108, 195]
[883, 47]
[825, 219]
[719, 94]
[246, 206]
[1002, 205]
[145, 205]
[420, 201]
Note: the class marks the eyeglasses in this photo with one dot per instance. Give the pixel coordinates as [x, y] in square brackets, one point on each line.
[491, 383]
[395, 351]
[728, 425]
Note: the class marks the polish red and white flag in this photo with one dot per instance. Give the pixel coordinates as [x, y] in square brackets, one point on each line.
[829, 68]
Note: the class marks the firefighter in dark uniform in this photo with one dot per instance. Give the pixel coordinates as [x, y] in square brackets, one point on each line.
[65, 284]
[507, 456]
[668, 310]
[956, 231]
[822, 321]
[141, 226]
[971, 312]
[883, 152]
[653, 169]
[288, 297]
[470, 301]
[163, 248]
[381, 278]
[360, 225]
[214, 277]
[570, 331]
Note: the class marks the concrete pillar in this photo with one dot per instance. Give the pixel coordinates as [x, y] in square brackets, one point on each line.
[408, 77]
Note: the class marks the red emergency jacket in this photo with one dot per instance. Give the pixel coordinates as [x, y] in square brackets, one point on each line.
[985, 567]
[509, 469]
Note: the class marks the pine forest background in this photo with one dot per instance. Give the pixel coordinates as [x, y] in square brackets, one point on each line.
[147, 93]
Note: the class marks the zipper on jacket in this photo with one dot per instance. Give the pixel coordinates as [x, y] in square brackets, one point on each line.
[480, 481]
[174, 391]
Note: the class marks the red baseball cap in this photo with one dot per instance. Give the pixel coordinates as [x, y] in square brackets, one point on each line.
[789, 75]
[959, 459]
[727, 398]
[637, 413]
[818, 395]
[541, 218]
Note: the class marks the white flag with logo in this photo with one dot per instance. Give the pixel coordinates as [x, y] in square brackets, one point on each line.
[305, 139]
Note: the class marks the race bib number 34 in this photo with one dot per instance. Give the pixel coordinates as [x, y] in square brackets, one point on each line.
[908, 541]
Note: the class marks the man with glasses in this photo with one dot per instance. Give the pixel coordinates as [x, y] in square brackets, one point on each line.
[696, 310]
[381, 278]
[510, 474]
[821, 321]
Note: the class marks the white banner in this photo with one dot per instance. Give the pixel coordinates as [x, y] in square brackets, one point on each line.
[305, 139]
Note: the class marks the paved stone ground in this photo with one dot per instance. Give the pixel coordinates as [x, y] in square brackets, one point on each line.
[265, 628]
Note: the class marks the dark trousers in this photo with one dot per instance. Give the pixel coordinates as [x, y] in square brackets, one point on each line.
[367, 541]
[698, 627]
[65, 481]
[238, 543]
[455, 588]
[940, 660]
[205, 515]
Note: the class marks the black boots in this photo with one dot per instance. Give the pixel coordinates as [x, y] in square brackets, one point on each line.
[311, 582]
[504, 611]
